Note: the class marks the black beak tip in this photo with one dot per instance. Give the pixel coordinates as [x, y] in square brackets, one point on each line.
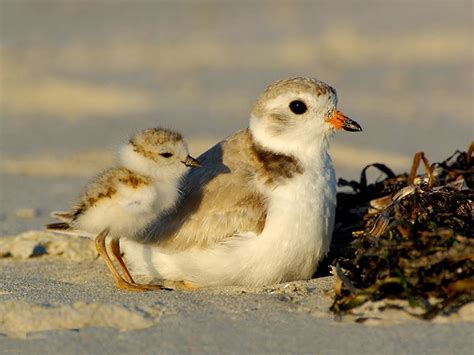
[355, 129]
[352, 126]
[192, 162]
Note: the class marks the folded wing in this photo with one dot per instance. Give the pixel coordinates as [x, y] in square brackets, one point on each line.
[217, 201]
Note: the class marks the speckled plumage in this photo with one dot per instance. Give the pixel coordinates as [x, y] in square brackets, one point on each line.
[106, 184]
[125, 198]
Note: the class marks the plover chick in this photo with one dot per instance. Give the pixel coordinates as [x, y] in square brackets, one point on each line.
[121, 201]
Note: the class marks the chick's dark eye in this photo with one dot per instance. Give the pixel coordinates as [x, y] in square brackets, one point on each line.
[166, 155]
[298, 107]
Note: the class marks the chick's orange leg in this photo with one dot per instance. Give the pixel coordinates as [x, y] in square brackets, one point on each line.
[119, 281]
[115, 247]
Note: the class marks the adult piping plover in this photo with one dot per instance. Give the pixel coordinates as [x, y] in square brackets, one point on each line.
[122, 201]
[261, 210]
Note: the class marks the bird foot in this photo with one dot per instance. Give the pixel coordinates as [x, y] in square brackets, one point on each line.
[178, 285]
[129, 286]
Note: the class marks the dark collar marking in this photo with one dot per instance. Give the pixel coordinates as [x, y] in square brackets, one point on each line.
[275, 167]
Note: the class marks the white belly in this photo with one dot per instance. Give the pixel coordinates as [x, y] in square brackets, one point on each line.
[299, 227]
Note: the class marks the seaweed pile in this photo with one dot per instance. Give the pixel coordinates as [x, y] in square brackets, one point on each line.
[407, 237]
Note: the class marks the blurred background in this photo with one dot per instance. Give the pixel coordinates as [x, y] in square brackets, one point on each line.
[78, 77]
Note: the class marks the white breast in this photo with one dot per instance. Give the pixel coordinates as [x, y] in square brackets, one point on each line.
[300, 222]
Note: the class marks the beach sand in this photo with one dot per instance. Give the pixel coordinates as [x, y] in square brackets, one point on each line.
[78, 78]
[56, 296]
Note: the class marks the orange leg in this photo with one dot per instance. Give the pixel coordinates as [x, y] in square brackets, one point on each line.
[115, 247]
[119, 280]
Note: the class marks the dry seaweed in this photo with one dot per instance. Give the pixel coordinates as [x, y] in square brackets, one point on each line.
[407, 237]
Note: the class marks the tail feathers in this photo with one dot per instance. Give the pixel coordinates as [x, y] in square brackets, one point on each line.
[67, 229]
[64, 216]
[58, 226]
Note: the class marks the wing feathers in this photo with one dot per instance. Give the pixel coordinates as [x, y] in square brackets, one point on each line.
[64, 216]
[218, 200]
[58, 226]
[66, 229]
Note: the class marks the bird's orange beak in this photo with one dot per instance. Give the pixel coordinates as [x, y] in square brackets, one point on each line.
[338, 121]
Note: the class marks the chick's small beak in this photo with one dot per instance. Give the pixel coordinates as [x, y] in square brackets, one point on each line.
[192, 162]
[338, 121]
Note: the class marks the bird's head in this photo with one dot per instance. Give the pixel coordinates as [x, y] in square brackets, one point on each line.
[295, 113]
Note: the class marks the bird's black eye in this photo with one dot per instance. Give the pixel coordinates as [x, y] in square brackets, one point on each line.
[166, 155]
[298, 107]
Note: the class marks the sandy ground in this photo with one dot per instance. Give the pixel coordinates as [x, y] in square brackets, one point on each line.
[66, 303]
[77, 78]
